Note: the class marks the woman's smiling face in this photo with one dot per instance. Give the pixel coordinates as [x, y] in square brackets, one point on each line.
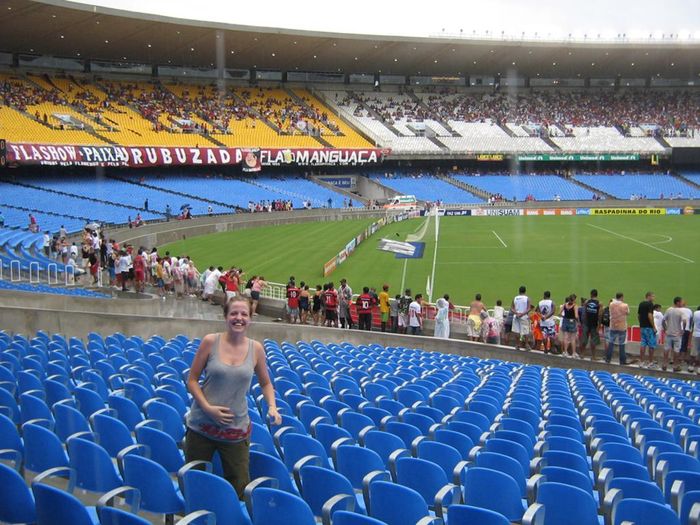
[238, 314]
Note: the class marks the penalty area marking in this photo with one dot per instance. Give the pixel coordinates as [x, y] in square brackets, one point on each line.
[642, 243]
[667, 239]
[499, 238]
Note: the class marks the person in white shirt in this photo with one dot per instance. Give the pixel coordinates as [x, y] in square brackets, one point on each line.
[499, 312]
[442, 320]
[122, 267]
[211, 283]
[686, 340]
[76, 272]
[696, 334]
[675, 323]
[659, 323]
[47, 244]
[415, 316]
[547, 308]
[521, 307]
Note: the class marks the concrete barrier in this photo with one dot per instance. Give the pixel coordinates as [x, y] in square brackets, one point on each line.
[28, 320]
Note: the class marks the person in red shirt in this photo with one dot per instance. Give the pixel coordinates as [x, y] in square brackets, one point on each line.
[331, 296]
[293, 303]
[364, 305]
[139, 271]
[231, 283]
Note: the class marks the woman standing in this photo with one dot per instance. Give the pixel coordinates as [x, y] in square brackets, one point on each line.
[304, 300]
[218, 420]
[569, 314]
[316, 307]
[255, 288]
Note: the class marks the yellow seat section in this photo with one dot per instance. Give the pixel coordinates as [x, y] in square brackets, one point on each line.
[349, 138]
[15, 127]
[131, 127]
[248, 130]
[150, 113]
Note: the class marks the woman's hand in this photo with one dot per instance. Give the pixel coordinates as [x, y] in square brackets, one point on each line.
[222, 415]
[274, 416]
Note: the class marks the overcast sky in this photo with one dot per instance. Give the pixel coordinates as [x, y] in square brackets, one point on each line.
[552, 19]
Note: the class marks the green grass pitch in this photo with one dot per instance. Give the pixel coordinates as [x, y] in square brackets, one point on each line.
[489, 255]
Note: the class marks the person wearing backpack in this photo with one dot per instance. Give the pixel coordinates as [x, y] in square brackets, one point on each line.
[590, 324]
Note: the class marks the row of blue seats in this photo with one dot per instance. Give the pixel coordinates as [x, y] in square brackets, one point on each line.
[26, 249]
[486, 388]
[239, 192]
[653, 186]
[128, 193]
[52, 290]
[50, 201]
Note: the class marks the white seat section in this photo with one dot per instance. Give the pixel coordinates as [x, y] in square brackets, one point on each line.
[495, 144]
[437, 128]
[378, 131]
[519, 131]
[684, 142]
[402, 127]
[412, 144]
[477, 129]
[601, 143]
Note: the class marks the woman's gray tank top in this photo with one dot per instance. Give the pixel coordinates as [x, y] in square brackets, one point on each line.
[224, 385]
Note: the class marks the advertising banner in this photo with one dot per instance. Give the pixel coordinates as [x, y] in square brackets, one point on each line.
[134, 157]
[341, 182]
[352, 244]
[628, 211]
[321, 157]
[144, 157]
[457, 213]
[329, 267]
[550, 211]
[579, 157]
[497, 212]
[342, 255]
[350, 247]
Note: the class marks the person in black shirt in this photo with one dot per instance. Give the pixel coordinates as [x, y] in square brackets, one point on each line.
[645, 315]
[590, 321]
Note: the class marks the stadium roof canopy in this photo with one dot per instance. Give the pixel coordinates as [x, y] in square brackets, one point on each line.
[66, 29]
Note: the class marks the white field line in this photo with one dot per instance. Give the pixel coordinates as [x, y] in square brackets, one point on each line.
[542, 263]
[667, 239]
[642, 243]
[437, 237]
[403, 275]
[499, 238]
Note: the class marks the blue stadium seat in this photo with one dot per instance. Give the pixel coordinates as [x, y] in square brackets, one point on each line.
[276, 507]
[493, 490]
[206, 491]
[383, 496]
[642, 512]
[16, 500]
